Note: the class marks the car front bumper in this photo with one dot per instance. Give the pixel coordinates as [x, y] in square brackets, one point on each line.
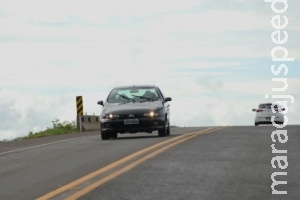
[146, 124]
[267, 120]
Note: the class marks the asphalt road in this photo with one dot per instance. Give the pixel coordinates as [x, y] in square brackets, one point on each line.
[34, 167]
[229, 163]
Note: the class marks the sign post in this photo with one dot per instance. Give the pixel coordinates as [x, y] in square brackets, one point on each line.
[79, 106]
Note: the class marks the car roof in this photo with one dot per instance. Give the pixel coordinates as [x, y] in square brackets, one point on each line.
[276, 104]
[268, 103]
[129, 86]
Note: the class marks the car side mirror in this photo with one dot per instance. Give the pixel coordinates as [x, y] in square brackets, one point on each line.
[168, 99]
[253, 109]
[100, 103]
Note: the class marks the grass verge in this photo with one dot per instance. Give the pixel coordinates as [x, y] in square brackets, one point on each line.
[57, 128]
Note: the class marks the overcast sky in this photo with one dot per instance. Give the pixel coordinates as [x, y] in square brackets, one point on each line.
[212, 57]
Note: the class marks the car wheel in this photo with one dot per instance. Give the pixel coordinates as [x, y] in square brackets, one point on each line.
[164, 131]
[256, 124]
[105, 135]
[114, 135]
[168, 129]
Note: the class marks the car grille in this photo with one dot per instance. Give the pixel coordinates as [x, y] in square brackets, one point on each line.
[128, 116]
[141, 124]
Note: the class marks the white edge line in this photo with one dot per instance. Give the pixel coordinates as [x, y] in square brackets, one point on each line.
[16, 150]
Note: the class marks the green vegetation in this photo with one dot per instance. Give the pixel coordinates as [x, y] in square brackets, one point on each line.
[57, 128]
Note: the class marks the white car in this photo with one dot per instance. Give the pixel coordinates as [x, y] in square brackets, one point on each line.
[264, 114]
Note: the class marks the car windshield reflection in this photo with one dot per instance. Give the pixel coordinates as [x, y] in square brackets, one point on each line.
[127, 95]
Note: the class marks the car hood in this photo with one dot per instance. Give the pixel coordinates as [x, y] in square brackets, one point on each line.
[136, 107]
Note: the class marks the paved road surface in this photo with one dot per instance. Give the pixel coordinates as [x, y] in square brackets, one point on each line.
[32, 168]
[230, 163]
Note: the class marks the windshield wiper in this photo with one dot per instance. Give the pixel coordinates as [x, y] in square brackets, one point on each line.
[123, 96]
[142, 97]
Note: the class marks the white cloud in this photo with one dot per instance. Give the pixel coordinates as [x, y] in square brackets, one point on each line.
[213, 21]
[192, 105]
[262, 87]
[53, 51]
[93, 10]
[26, 111]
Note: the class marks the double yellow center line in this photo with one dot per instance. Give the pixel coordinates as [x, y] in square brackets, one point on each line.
[84, 185]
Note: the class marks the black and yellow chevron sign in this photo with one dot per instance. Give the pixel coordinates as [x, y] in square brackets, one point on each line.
[79, 105]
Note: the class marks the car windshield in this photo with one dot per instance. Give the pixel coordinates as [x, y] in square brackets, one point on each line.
[267, 106]
[133, 94]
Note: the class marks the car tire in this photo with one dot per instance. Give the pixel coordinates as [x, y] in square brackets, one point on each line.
[105, 135]
[256, 124]
[164, 131]
[168, 129]
[114, 135]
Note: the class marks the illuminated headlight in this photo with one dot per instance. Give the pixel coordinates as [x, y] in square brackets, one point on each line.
[151, 114]
[110, 116]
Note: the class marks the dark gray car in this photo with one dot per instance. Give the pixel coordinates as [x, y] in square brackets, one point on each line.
[132, 109]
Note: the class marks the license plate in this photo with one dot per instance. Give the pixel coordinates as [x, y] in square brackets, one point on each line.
[268, 118]
[131, 121]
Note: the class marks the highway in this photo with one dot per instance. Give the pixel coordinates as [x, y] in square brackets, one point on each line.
[193, 163]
